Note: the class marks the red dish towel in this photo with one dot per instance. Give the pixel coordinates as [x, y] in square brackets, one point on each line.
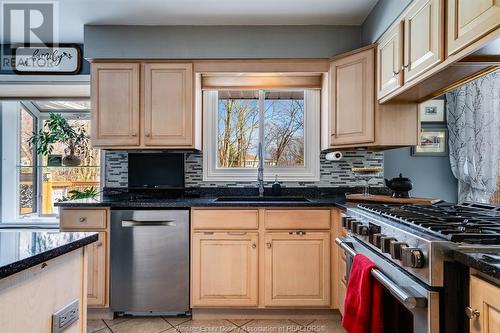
[363, 300]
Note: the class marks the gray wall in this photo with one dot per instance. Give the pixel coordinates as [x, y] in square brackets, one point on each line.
[205, 42]
[431, 176]
[380, 18]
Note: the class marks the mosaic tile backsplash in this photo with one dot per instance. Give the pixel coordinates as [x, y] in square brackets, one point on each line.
[333, 173]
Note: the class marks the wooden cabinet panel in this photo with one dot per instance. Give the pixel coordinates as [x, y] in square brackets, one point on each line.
[224, 270]
[97, 289]
[168, 104]
[297, 219]
[83, 219]
[224, 218]
[352, 104]
[297, 269]
[389, 61]
[469, 20]
[424, 40]
[115, 104]
[485, 298]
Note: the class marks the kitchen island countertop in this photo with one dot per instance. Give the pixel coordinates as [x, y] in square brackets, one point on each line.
[22, 248]
[483, 261]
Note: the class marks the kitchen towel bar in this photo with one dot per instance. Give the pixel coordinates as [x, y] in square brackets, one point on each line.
[403, 295]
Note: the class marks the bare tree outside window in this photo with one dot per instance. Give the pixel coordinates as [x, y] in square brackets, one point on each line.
[238, 120]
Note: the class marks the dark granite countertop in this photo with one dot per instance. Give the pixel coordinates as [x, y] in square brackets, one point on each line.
[335, 201]
[24, 248]
[486, 262]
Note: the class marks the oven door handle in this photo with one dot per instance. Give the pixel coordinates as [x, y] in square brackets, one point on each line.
[403, 295]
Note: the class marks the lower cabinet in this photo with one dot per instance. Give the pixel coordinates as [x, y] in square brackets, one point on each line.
[297, 269]
[224, 269]
[484, 307]
[97, 289]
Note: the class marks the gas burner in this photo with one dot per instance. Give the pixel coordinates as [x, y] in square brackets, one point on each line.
[468, 223]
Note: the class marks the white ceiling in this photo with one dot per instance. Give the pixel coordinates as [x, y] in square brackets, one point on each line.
[74, 14]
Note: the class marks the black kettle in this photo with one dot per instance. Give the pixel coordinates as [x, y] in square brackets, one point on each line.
[400, 186]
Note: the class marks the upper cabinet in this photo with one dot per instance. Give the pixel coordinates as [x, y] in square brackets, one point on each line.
[423, 37]
[389, 61]
[168, 105]
[469, 20]
[115, 104]
[142, 105]
[352, 99]
[352, 117]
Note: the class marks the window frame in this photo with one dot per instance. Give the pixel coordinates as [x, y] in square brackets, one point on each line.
[309, 172]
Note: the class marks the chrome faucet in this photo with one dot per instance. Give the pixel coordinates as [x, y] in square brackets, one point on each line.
[260, 171]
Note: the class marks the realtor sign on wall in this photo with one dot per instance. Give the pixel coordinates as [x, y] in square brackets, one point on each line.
[47, 59]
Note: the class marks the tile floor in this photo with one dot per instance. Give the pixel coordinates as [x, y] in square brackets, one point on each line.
[176, 325]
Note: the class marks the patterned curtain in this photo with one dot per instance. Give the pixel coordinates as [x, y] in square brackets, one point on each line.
[473, 112]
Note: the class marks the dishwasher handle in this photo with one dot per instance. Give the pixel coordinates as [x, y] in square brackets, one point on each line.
[134, 223]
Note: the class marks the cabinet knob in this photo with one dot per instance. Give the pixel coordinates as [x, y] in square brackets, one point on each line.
[133, 134]
[254, 245]
[148, 135]
[83, 219]
[472, 313]
[404, 67]
[268, 245]
[99, 244]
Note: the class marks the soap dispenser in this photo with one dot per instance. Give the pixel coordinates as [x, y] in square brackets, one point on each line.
[276, 189]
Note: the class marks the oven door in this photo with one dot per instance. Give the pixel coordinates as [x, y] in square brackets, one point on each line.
[420, 302]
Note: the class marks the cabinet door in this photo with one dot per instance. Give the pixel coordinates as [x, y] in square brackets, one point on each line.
[224, 269]
[297, 269]
[485, 298]
[168, 105]
[469, 20]
[389, 61]
[352, 99]
[424, 40]
[97, 291]
[115, 104]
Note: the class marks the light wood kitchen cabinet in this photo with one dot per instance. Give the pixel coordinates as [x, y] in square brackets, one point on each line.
[142, 105]
[92, 220]
[469, 20]
[115, 104]
[389, 60]
[168, 104]
[423, 37]
[297, 269]
[485, 299]
[224, 269]
[97, 289]
[352, 108]
[30, 297]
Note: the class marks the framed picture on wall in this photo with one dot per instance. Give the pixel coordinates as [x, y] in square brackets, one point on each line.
[432, 142]
[432, 111]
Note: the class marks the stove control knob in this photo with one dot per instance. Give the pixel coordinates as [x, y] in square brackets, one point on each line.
[345, 221]
[376, 239]
[412, 257]
[362, 230]
[385, 243]
[396, 248]
[354, 225]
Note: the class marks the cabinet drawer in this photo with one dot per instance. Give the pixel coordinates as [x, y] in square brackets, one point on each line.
[83, 218]
[297, 219]
[225, 219]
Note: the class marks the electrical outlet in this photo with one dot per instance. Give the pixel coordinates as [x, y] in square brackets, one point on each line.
[66, 316]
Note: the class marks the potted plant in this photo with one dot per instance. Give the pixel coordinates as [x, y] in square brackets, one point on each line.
[57, 130]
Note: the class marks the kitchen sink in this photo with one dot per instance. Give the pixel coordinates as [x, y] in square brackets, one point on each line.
[262, 199]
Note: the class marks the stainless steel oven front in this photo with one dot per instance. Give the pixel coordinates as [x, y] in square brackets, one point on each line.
[420, 300]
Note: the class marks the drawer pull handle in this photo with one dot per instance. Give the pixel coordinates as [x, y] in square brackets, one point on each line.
[44, 265]
[99, 244]
[83, 219]
[472, 313]
[236, 233]
[254, 245]
[268, 245]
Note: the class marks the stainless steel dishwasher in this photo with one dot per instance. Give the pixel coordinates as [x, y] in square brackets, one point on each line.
[150, 261]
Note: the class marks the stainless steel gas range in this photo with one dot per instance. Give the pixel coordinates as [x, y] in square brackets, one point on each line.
[413, 246]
